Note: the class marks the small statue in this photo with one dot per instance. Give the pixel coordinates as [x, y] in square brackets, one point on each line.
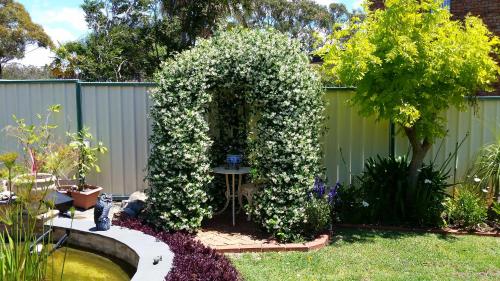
[101, 212]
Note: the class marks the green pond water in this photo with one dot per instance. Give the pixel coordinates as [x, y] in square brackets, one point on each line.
[84, 266]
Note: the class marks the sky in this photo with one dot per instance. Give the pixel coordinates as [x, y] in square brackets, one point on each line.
[64, 20]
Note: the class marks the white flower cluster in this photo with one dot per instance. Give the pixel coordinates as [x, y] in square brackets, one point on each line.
[285, 148]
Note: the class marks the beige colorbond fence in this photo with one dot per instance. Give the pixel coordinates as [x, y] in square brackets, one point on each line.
[116, 114]
[360, 138]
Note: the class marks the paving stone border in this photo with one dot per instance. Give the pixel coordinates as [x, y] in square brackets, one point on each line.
[273, 246]
[449, 231]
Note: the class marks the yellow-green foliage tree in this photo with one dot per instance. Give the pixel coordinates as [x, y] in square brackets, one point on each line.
[17, 31]
[410, 62]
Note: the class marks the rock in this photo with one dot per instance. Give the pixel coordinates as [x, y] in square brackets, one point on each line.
[135, 204]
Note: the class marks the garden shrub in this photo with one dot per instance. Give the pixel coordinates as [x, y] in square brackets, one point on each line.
[319, 208]
[466, 209]
[494, 214]
[286, 102]
[192, 260]
[486, 170]
[381, 194]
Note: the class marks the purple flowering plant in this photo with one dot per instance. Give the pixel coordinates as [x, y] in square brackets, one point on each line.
[320, 189]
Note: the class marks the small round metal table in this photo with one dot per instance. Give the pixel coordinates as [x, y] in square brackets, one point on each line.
[240, 172]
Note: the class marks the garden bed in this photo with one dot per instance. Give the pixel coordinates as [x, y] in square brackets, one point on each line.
[192, 260]
[454, 231]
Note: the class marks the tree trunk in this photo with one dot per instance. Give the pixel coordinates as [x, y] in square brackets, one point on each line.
[419, 151]
[1, 76]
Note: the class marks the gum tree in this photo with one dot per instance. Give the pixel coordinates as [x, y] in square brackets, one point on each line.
[410, 62]
[17, 31]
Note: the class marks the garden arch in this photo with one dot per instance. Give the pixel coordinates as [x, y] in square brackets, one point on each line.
[286, 95]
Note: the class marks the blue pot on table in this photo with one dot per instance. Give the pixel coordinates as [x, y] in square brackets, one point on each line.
[233, 161]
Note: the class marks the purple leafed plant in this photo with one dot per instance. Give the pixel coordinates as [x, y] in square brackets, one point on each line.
[192, 260]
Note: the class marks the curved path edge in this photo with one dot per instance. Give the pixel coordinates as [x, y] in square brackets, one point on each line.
[147, 248]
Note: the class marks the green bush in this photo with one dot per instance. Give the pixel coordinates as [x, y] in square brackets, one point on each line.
[466, 209]
[287, 108]
[486, 170]
[495, 212]
[381, 194]
[317, 216]
[319, 207]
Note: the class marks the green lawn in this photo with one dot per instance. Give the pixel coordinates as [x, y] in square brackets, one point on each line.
[381, 255]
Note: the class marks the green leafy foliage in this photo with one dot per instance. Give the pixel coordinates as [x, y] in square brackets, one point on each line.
[410, 62]
[466, 209]
[17, 71]
[283, 139]
[17, 31]
[487, 169]
[87, 153]
[35, 139]
[381, 194]
[303, 20]
[318, 214]
[22, 255]
[495, 212]
[62, 161]
[130, 39]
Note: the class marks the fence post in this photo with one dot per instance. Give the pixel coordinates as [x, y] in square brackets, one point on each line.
[79, 119]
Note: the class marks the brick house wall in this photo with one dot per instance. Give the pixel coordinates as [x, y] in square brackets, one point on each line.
[487, 10]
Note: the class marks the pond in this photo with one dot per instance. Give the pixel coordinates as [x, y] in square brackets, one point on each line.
[86, 266]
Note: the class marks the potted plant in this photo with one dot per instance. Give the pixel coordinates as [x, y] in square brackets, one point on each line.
[35, 140]
[233, 158]
[84, 195]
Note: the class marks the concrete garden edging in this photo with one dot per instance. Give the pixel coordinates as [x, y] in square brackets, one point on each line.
[134, 247]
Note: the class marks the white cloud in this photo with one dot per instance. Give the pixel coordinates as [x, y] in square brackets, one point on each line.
[357, 4]
[61, 24]
[60, 35]
[36, 56]
[74, 17]
[353, 4]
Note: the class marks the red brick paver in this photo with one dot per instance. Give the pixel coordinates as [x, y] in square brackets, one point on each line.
[220, 235]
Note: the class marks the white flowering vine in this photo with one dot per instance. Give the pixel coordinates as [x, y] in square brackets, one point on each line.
[284, 149]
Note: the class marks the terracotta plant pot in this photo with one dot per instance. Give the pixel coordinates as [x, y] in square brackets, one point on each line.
[85, 199]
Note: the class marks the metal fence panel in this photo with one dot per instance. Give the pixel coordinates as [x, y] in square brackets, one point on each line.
[26, 99]
[117, 116]
[350, 139]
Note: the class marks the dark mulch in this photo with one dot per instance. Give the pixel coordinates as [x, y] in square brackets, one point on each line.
[192, 260]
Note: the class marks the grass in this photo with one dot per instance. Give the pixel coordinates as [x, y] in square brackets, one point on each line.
[381, 255]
